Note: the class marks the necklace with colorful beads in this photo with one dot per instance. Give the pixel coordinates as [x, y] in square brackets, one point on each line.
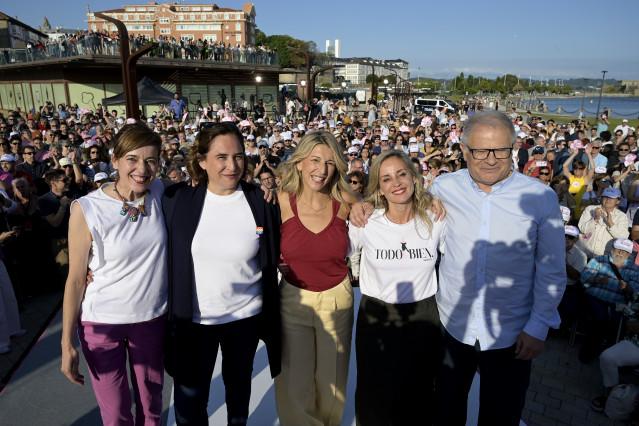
[133, 212]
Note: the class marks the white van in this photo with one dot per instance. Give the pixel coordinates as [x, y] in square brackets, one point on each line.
[429, 105]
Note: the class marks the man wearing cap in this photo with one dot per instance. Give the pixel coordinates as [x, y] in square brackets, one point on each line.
[609, 279]
[601, 225]
[531, 168]
[8, 172]
[576, 261]
[265, 159]
[623, 127]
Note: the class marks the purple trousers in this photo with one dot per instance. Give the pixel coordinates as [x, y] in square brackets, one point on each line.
[105, 347]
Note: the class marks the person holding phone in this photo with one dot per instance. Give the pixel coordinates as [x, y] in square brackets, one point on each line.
[532, 167]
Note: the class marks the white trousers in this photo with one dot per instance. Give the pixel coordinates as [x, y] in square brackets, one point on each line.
[623, 354]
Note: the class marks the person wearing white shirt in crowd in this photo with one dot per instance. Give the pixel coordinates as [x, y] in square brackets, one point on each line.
[398, 323]
[501, 279]
[576, 261]
[601, 224]
[623, 127]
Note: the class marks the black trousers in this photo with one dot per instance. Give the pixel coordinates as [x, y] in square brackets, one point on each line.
[238, 340]
[503, 384]
[398, 349]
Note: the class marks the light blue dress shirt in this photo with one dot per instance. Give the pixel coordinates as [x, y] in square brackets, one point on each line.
[504, 268]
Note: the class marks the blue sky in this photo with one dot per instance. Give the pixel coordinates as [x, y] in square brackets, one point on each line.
[541, 39]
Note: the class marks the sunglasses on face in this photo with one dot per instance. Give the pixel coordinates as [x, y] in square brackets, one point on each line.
[66, 179]
[27, 153]
[544, 174]
[354, 182]
[624, 150]
[579, 168]
[352, 155]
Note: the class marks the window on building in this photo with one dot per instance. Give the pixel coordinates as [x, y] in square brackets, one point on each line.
[165, 21]
[207, 8]
[165, 31]
[136, 17]
[187, 37]
[130, 9]
[197, 9]
[152, 9]
[238, 37]
[238, 27]
[210, 37]
[186, 9]
[141, 9]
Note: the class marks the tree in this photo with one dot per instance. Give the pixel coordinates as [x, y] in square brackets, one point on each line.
[287, 57]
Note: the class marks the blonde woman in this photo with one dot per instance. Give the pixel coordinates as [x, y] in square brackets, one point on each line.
[398, 340]
[316, 294]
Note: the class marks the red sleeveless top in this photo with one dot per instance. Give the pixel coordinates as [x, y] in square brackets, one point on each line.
[317, 262]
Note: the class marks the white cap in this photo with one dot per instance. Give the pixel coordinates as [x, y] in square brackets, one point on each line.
[301, 127]
[560, 138]
[412, 140]
[250, 137]
[413, 148]
[352, 150]
[600, 169]
[100, 176]
[428, 140]
[148, 120]
[573, 231]
[383, 138]
[624, 121]
[623, 244]
[7, 158]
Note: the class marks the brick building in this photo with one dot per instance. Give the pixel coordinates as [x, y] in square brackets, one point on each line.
[183, 21]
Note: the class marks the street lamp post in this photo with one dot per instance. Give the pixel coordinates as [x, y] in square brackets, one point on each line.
[600, 93]
[583, 97]
[343, 89]
[385, 88]
[258, 79]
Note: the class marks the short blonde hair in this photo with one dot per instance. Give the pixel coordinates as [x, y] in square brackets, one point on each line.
[292, 178]
[421, 198]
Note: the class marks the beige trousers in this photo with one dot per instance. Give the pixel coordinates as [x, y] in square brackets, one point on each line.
[316, 347]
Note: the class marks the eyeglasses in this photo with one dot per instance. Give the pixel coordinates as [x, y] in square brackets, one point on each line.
[276, 131]
[94, 152]
[482, 154]
[578, 168]
[571, 237]
[606, 180]
[66, 179]
[596, 147]
[27, 153]
[352, 155]
[544, 174]
[354, 182]
[15, 143]
[624, 150]
[279, 148]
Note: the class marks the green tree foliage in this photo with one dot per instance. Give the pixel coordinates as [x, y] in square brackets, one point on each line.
[287, 57]
[380, 79]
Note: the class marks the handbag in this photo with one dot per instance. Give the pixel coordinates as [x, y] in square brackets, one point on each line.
[621, 402]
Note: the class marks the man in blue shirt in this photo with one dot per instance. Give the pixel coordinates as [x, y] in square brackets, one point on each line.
[177, 105]
[501, 278]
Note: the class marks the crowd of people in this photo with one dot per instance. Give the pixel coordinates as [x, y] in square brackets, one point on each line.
[108, 43]
[240, 228]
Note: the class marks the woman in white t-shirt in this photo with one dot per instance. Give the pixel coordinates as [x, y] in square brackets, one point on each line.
[118, 232]
[223, 253]
[398, 340]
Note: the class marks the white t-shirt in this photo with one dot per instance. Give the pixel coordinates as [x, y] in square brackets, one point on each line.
[398, 261]
[128, 260]
[226, 262]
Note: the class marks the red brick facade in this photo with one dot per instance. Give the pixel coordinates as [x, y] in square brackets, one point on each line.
[193, 21]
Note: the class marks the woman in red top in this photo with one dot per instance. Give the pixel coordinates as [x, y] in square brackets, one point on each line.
[316, 294]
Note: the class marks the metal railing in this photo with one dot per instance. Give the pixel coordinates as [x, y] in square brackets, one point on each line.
[167, 50]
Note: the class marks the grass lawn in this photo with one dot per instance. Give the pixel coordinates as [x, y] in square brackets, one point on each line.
[614, 122]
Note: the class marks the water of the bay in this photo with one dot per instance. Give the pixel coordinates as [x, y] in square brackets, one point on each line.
[619, 107]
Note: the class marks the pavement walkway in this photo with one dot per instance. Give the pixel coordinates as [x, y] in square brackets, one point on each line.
[38, 394]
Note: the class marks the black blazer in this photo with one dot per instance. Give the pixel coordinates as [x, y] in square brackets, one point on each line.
[182, 206]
